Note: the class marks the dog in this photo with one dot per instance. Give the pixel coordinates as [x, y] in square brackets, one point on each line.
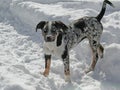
[59, 39]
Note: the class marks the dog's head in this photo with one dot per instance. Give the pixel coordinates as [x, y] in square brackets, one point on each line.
[51, 30]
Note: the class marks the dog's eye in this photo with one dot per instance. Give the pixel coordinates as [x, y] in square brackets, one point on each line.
[44, 30]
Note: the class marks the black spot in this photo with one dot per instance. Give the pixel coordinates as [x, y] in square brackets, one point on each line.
[65, 53]
[97, 56]
[59, 39]
[92, 25]
[80, 24]
[94, 42]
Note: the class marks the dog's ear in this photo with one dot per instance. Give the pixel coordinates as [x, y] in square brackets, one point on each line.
[61, 25]
[40, 25]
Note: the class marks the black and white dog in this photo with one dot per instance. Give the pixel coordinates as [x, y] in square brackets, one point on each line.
[60, 39]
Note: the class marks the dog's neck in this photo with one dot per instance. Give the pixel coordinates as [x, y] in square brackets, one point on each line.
[50, 45]
[51, 48]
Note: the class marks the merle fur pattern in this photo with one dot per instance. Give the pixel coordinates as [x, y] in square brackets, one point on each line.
[67, 37]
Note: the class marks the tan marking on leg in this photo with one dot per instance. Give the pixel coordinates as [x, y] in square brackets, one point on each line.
[93, 62]
[92, 65]
[100, 51]
[47, 69]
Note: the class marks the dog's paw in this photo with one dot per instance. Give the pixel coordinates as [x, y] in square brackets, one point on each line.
[67, 78]
[89, 70]
[45, 73]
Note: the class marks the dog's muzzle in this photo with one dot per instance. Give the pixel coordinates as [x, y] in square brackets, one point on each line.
[50, 38]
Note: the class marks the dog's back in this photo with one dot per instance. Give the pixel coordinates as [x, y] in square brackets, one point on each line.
[87, 27]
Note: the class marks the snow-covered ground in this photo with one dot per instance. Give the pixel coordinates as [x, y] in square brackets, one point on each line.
[21, 53]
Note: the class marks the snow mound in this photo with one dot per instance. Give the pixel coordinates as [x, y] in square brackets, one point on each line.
[22, 54]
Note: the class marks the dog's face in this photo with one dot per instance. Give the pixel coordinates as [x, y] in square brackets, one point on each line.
[51, 29]
[49, 32]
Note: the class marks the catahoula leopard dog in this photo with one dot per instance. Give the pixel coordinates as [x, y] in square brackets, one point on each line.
[59, 39]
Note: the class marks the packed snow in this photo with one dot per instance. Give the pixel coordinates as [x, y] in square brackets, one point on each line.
[21, 52]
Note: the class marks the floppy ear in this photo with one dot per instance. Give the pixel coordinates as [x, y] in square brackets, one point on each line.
[40, 25]
[61, 25]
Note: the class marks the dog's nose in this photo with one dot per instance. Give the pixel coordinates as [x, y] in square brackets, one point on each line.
[49, 38]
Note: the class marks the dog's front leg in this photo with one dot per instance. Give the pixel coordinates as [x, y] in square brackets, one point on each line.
[65, 58]
[47, 65]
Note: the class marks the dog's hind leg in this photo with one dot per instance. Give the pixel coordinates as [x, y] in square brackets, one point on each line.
[94, 45]
[100, 51]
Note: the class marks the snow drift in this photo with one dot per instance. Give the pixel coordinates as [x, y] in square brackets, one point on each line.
[21, 56]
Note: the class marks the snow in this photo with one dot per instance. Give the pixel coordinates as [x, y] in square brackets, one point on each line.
[21, 52]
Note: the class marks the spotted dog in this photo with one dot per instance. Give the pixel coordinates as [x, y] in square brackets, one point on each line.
[60, 39]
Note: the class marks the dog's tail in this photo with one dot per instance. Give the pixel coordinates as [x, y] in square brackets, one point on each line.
[102, 12]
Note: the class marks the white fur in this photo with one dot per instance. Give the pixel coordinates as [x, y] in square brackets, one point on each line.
[49, 25]
[51, 48]
[67, 78]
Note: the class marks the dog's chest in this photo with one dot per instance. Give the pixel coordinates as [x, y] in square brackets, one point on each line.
[51, 48]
